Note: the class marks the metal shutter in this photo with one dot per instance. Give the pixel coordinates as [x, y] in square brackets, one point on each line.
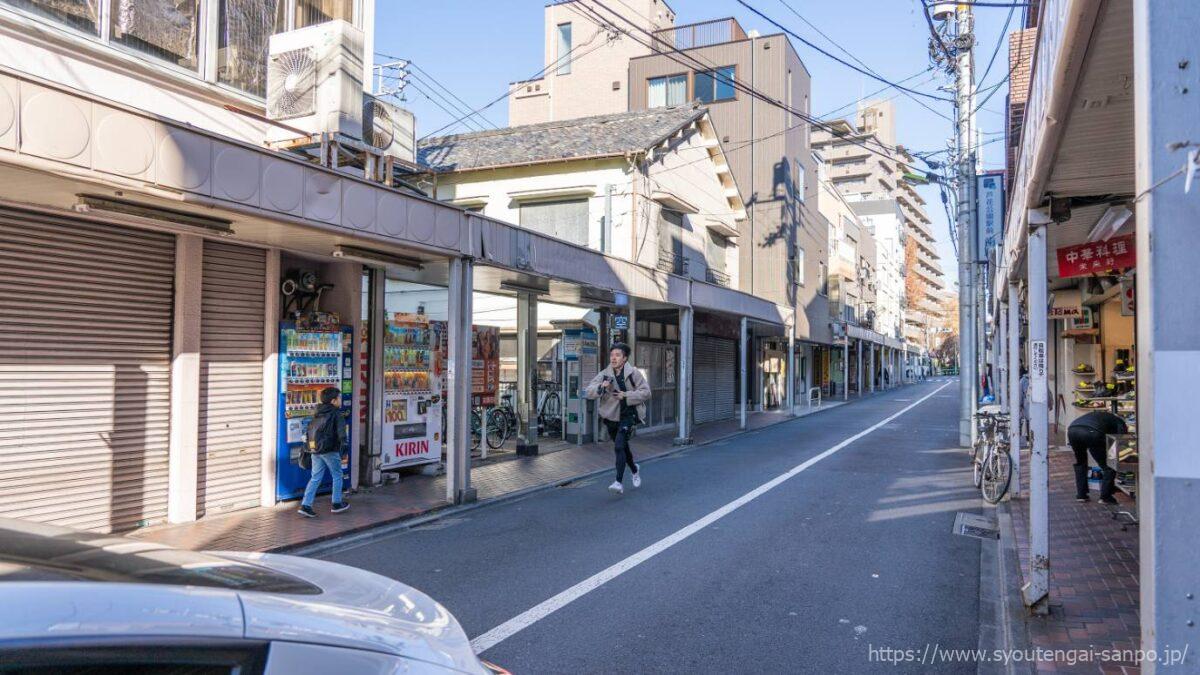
[231, 376]
[715, 379]
[85, 371]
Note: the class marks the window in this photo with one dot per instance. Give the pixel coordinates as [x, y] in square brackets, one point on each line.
[670, 241]
[798, 266]
[715, 85]
[246, 27]
[82, 15]
[186, 33]
[665, 91]
[313, 12]
[822, 279]
[565, 219]
[799, 181]
[717, 245]
[165, 29]
[564, 49]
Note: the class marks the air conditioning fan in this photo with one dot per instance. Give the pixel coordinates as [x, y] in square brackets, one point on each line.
[389, 128]
[314, 81]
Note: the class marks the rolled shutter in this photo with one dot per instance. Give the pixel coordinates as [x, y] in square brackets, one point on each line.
[715, 379]
[85, 359]
[231, 376]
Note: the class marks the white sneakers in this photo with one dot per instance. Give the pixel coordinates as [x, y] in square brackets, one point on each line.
[637, 477]
[616, 487]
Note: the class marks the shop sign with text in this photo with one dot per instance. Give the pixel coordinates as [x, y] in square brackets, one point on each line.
[1098, 257]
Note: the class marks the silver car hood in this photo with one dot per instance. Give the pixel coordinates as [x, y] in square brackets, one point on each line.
[358, 610]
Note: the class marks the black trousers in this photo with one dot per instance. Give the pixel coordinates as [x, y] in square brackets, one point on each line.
[620, 434]
[1085, 441]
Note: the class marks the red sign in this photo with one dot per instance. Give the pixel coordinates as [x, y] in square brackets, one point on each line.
[1099, 257]
[412, 448]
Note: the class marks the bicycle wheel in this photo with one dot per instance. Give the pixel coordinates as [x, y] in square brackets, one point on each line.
[977, 463]
[497, 428]
[476, 430]
[552, 406]
[997, 474]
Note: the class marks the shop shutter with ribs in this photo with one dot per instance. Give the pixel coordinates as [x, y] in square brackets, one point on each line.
[85, 371]
[714, 380]
[231, 376]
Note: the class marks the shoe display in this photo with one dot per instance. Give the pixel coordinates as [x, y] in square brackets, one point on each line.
[1123, 376]
[1087, 404]
[1083, 369]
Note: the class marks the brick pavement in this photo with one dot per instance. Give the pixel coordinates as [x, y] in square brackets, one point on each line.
[1094, 599]
[279, 528]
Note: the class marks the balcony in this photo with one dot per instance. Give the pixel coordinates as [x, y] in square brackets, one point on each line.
[716, 277]
[673, 263]
[703, 34]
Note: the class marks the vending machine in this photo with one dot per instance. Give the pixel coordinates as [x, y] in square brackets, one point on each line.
[412, 386]
[312, 356]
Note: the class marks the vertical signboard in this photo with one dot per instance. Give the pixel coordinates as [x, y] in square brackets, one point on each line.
[989, 213]
[1037, 371]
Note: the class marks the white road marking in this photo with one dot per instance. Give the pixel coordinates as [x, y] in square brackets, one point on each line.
[544, 609]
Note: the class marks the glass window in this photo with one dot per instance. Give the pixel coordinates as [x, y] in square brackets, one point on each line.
[665, 91]
[822, 279]
[165, 29]
[312, 12]
[83, 15]
[798, 266]
[799, 181]
[670, 241]
[715, 85]
[716, 251]
[245, 28]
[564, 219]
[564, 49]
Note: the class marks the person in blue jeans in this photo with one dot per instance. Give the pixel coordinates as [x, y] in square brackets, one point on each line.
[324, 441]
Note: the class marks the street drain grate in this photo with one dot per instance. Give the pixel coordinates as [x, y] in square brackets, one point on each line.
[971, 525]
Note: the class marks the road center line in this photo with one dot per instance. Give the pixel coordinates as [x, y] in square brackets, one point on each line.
[544, 609]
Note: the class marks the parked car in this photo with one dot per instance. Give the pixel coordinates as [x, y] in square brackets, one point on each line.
[74, 601]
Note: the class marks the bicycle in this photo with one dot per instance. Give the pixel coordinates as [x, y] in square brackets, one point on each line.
[476, 430]
[550, 414]
[497, 426]
[992, 463]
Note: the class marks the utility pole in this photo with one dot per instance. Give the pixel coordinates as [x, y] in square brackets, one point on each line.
[968, 287]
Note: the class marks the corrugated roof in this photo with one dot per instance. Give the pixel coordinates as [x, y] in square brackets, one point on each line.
[598, 136]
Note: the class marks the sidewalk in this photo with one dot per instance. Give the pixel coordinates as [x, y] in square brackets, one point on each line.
[1094, 601]
[279, 528]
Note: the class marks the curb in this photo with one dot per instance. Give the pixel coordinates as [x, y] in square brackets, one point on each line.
[355, 537]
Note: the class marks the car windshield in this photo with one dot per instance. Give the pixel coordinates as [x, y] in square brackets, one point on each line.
[33, 552]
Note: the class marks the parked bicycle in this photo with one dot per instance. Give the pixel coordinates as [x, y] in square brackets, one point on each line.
[991, 462]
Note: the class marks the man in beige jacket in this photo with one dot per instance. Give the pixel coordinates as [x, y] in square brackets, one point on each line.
[622, 392]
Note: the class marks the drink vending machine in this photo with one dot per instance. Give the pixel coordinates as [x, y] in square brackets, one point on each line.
[312, 356]
[412, 385]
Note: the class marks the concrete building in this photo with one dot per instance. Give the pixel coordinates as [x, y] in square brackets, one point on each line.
[586, 60]
[865, 163]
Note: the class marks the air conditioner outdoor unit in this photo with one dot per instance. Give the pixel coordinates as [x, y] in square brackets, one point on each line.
[314, 81]
[389, 128]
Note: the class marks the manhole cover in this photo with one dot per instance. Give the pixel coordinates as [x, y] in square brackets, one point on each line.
[971, 525]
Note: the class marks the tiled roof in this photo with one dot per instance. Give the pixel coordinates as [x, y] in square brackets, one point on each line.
[598, 136]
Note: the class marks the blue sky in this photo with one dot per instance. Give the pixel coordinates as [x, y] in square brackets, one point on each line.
[476, 47]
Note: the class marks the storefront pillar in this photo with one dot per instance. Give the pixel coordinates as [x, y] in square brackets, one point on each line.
[1013, 353]
[791, 368]
[846, 370]
[858, 352]
[527, 358]
[458, 371]
[743, 388]
[270, 379]
[684, 390]
[376, 318]
[184, 437]
[871, 369]
[1166, 129]
[1036, 590]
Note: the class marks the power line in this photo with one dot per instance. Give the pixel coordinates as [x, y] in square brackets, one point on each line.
[416, 84]
[868, 73]
[1003, 32]
[867, 96]
[977, 3]
[464, 104]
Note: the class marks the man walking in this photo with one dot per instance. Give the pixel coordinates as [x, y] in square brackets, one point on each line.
[1087, 435]
[326, 436]
[622, 392]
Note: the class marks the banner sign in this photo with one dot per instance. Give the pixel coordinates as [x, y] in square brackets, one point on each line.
[989, 213]
[1098, 257]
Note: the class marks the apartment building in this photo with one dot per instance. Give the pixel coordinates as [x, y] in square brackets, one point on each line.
[587, 52]
[865, 163]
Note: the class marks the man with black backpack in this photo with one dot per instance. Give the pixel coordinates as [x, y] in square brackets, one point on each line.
[622, 392]
[323, 447]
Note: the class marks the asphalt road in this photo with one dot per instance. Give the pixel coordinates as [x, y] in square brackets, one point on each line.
[850, 554]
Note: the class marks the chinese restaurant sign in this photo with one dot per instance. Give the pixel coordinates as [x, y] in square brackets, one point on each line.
[1098, 257]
